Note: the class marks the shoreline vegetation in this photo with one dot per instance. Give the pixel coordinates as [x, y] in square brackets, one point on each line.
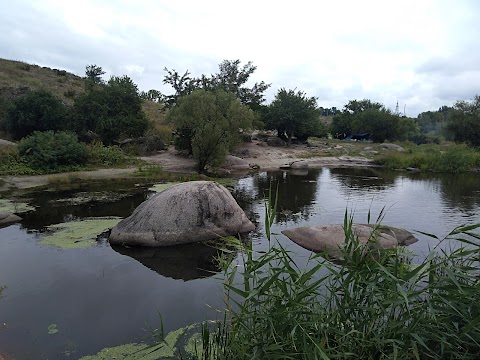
[113, 163]
[374, 303]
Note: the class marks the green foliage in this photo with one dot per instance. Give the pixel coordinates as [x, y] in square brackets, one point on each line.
[93, 76]
[375, 304]
[111, 111]
[106, 155]
[53, 151]
[432, 122]
[294, 114]
[35, 111]
[358, 106]
[365, 116]
[230, 78]
[382, 124]
[11, 163]
[446, 159]
[209, 122]
[464, 122]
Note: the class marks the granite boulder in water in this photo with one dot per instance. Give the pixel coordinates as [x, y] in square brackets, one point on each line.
[184, 213]
[330, 239]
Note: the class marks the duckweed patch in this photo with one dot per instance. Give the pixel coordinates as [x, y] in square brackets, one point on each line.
[163, 186]
[11, 206]
[78, 234]
[127, 351]
[178, 344]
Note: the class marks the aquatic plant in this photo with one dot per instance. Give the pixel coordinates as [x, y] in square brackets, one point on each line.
[78, 234]
[376, 304]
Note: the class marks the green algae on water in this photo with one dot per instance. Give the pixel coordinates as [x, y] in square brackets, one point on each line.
[10, 206]
[78, 234]
[162, 186]
[128, 351]
[178, 344]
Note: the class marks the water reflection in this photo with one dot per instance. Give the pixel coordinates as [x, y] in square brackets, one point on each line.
[55, 206]
[364, 179]
[296, 192]
[185, 262]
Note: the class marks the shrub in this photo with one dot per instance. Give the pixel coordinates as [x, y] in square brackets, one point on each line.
[35, 111]
[53, 151]
[11, 163]
[106, 155]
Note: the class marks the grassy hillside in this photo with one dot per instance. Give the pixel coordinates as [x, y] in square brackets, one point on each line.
[17, 78]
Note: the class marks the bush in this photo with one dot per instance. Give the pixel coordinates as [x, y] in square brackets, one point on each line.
[111, 111]
[35, 111]
[11, 163]
[106, 155]
[53, 151]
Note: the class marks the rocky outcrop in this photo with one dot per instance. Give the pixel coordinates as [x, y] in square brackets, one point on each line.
[329, 239]
[275, 141]
[394, 147]
[184, 213]
[235, 163]
[300, 164]
[7, 218]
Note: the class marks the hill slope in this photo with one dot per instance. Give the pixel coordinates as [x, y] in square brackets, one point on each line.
[17, 78]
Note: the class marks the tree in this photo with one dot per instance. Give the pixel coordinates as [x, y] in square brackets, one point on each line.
[230, 78]
[366, 116]
[357, 106]
[209, 121]
[152, 95]
[293, 114]
[381, 123]
[36, 111]
[93, 74]
[464, 122]
[111, 111]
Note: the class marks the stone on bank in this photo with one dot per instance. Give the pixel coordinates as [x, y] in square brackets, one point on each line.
[184, 213]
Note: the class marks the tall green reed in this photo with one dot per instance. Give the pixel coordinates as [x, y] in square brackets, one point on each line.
[375, 304]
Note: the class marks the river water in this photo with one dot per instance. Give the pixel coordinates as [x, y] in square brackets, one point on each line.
[102, 296]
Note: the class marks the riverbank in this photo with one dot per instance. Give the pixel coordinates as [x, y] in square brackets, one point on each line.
[170, 164]
[171, 161]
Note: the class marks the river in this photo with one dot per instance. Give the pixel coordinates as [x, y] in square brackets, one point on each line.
[101, 297]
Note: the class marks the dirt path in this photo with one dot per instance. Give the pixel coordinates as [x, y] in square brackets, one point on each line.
[254, 153]
[266, 157]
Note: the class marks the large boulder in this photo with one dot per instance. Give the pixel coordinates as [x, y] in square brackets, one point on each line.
[329, 239]
[184, 213]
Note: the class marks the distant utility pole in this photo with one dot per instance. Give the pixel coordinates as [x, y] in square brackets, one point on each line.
[404, 112]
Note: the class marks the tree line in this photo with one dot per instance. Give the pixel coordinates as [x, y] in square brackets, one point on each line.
[209, 113]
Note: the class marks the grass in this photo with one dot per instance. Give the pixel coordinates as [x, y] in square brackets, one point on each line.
[446, 158]
[376, 304]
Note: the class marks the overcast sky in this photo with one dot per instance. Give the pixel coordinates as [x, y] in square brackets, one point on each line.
[423, 53]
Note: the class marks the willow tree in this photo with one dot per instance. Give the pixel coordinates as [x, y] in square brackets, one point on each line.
[208, 125]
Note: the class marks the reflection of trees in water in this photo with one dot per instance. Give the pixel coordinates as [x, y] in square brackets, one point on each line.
[58, 206]
[461, 191]
[186, 262]
[364, 179]
[296, 192]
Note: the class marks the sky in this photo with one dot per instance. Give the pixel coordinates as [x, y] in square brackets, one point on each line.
[421, 53]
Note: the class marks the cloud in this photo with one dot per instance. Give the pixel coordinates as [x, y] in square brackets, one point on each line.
[419, 53]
